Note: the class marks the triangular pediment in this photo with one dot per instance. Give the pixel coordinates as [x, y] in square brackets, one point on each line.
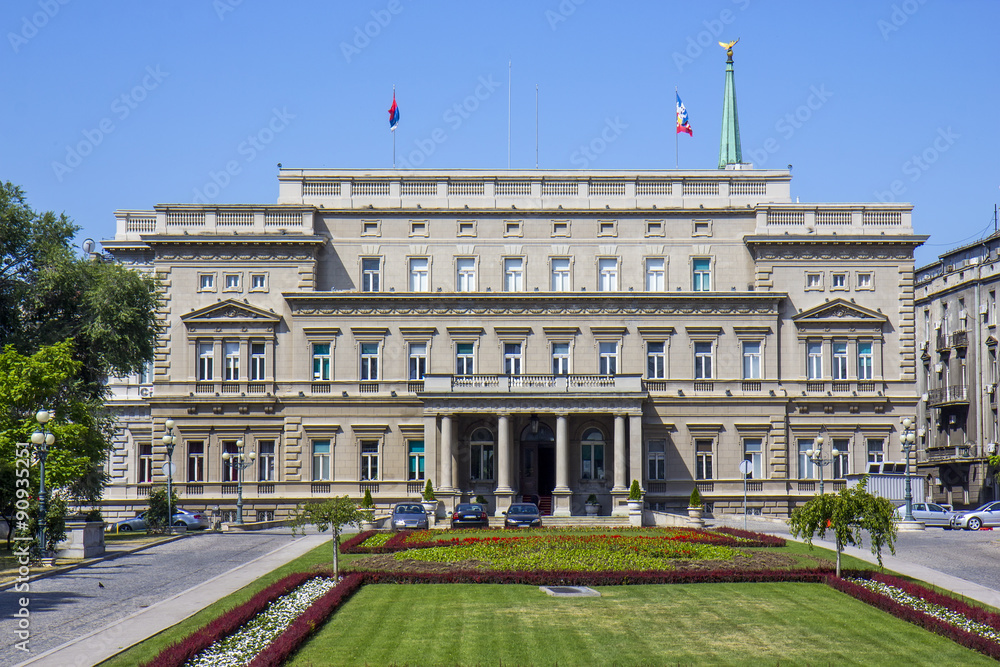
[838, 311]
[230, 310]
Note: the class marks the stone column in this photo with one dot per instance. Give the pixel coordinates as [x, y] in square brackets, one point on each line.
[503, 490]
[445, 482]
[621, 461]
[562, 494]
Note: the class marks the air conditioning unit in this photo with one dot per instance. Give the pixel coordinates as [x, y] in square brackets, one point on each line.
[991, 448]
[961, 314]
[939, 367]
[984, 308]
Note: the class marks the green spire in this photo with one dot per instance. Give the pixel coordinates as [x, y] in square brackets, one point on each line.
[729, 147]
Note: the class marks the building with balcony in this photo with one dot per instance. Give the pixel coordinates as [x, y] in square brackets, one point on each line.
[510, 334]
[956, 310]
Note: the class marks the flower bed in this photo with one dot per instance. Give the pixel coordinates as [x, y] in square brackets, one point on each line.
[751, 539]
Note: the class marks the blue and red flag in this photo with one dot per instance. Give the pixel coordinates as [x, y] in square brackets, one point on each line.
[393, 113]
[683, 124]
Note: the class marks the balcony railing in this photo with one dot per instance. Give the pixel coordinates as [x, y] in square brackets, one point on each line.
[950, 395]
[532, 383]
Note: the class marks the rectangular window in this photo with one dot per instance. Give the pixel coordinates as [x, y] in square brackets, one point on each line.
[607, 228]
[841, 466]
[560, 228]
[321, 460]
[806, 467]
[656, 361]
[655, 274]
[419, 274]
[656, 461]
[418, 228]
[369, 460]
[265, 461]
[258, 282]
[702, 278]
[466, 267]
[592, 461]
[703, 459]
[415, 460]
[751, 360]
[369, 361]
[232, 281]
[560, 274]
[206, 358]
[839, 368]
[512, 228]
[230, 473]
[864, 281]
[814, 281]
[206, 282]
[321, 361]
[370, 274]
[466, 227]
[753, 451]
[418, 361]
[145, 464]
[464, 357]
[991, 309]
[232, 371]
[608, 274]
[876, 450]
[258, 367]
[482, 462]
[560, 358]
[196, 461]
[814, 360]
[866, 365]
[703, 360]
[608, 361]
[513, 274]
[146, 374]
[512, 358]
[838, 281]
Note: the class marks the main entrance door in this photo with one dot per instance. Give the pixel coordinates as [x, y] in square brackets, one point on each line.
[538, 464]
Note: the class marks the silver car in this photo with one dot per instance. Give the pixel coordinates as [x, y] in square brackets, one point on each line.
[928, 514]
[988, 515]
[409, 515]
[182, 517]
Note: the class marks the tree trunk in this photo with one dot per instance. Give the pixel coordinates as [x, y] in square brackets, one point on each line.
[840, 547]
[336, 560]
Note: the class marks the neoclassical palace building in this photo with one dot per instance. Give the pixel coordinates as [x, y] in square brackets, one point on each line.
[510, 334]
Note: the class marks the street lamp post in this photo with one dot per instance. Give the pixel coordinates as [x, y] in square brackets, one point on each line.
[907, 439]
[239, 461]
[169, 439]
[42, 438]
[816, 456]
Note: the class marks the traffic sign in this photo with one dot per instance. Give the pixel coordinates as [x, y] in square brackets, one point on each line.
[746, 467]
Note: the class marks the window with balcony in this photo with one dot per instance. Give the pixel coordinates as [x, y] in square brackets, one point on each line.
[321, 460]
[419, 274]
[839, 366]
[230, 473]
[369, 361]
[145, 472]
[370, 274]
[608, 358]
[418, 361]
[607, 268]
[866, 363]
[592, 455]
[466, 268]
[753, 451]
[258, 361]
[321, 361]
[656, 459]
[206, 361]
[701, 279]
[196, 461]
[751, 360]
[265, 461]
[369, 460]
[560, 275]
[703, 353]
[513, 274]
[465, 354]
[482, 450]
[814, 360]
[656, 361]
[703, 458]
[415, 460]
[841, 462]
[806, 466]
[656, 275]
[232, 360]
[560, 358]
[512, 358]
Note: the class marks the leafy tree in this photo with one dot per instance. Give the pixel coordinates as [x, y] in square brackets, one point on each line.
[847, 514]
[429, 491]
[156, 516]
[336, 512]
[55, 524]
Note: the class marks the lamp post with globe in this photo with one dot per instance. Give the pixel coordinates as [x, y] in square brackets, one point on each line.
[239, 461]
[42, 438]
[816, 456]
[907, 439]
[170, 440]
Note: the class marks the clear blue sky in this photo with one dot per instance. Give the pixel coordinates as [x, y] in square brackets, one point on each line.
[859, 96]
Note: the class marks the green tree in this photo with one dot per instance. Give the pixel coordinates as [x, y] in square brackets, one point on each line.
[335, 513]
[156, 516]
[847, 514]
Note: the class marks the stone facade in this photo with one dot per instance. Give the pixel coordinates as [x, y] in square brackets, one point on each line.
[551, 334]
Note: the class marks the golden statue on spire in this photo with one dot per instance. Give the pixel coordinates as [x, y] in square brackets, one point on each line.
[728, 46]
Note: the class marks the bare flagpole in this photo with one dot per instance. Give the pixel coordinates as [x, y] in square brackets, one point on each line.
[536, 126]
[508, 112]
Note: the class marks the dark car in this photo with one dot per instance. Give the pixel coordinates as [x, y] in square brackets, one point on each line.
[409, 515]
[470, 515]
[522, 515]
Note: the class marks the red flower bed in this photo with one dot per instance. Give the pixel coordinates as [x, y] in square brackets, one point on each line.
[179, 653]
[756, 539]
[352, 546]
[962, 637]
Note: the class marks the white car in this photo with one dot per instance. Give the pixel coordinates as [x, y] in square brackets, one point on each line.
[988, 515]
[928, 514]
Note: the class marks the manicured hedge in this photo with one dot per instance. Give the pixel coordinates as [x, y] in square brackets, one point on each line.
[755, 539]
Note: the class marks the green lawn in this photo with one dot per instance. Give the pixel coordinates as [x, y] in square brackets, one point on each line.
[464, 624]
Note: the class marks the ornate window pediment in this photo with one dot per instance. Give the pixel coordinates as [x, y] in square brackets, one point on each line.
[230, 311]
[839, 312]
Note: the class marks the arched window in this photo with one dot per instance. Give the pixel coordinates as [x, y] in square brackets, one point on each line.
[592, 454]
[481, 446]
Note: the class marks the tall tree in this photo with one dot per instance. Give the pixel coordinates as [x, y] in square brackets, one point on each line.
[847, 514]
[335, 513]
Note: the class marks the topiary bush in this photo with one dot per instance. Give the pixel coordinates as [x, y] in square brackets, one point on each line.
[429, 491]
[695, 500]
[635, 493]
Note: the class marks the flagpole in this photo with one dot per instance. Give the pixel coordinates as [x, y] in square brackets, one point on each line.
[394, 131]
[676, 149]
[508, 113]
[536, 126]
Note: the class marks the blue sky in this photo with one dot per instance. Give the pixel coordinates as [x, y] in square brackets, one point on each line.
[128, 104]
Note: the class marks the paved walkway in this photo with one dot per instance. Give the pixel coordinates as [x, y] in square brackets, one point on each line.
[113, 638]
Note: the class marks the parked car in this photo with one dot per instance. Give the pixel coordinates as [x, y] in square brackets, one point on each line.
[928, 514]
[522, 515]
[409, 515]
[470, 515]
[182, 517]
[987, 515]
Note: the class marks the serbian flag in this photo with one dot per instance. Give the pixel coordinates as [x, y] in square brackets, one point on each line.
[683, 124]
[393, 113]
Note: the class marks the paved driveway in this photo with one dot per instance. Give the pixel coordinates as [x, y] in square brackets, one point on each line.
[69, 605]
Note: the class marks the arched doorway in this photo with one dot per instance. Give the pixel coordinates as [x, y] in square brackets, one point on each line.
[538, 464]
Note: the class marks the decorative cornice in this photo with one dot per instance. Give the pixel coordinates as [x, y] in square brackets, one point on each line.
[829, 248]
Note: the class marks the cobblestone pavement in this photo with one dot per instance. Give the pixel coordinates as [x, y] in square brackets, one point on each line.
[71, 604]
